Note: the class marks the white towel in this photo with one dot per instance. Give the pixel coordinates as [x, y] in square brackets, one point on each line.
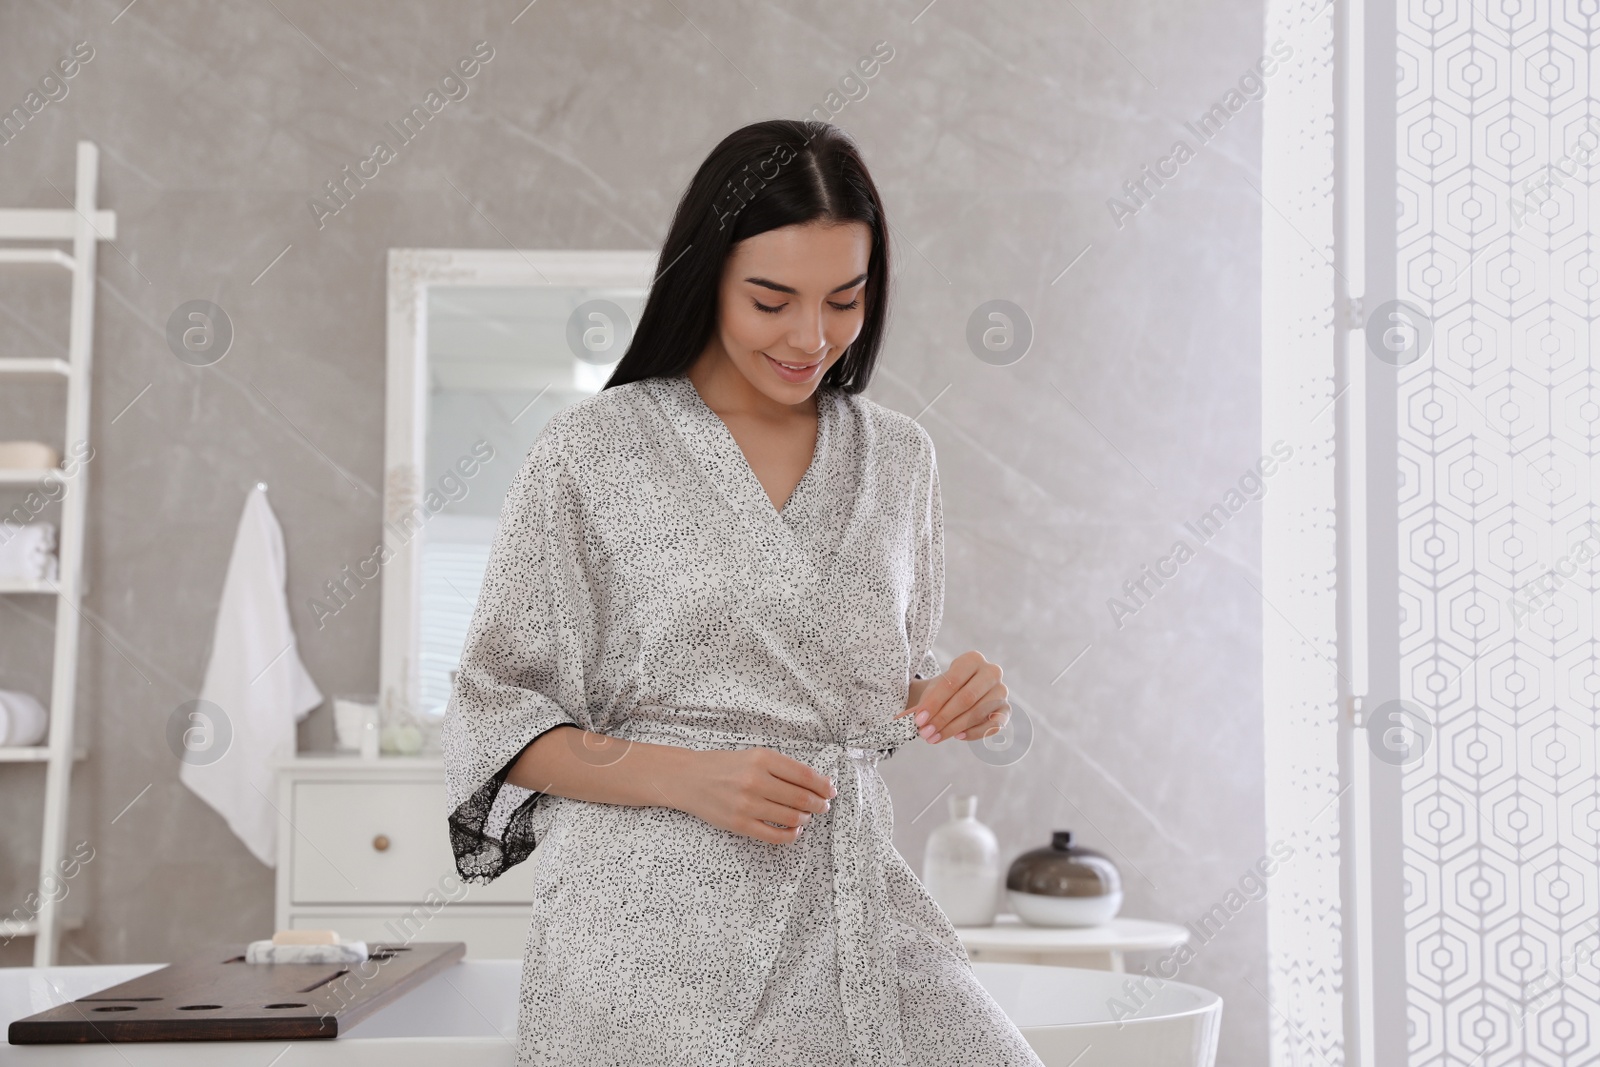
[27, 552]
[255, 676]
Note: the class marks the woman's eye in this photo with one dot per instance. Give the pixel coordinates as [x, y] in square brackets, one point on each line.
[837, 307]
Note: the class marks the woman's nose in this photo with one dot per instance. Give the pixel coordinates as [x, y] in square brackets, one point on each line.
[808, 336]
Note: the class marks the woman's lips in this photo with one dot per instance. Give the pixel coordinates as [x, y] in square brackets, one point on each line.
[804, 374]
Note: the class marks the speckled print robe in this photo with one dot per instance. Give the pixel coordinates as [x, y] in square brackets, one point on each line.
[642, 585]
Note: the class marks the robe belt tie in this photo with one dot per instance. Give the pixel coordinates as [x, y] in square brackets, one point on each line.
[868, 970]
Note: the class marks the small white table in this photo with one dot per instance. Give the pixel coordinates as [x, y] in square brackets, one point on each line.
[1010, 940]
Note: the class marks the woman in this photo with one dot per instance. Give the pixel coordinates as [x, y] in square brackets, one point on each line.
[709, 609]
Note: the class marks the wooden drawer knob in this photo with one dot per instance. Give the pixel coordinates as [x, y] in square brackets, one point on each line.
[381, 843]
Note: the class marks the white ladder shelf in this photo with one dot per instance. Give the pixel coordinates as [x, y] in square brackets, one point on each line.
[85, 225]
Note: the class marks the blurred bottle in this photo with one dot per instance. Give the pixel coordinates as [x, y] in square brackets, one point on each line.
[961, 866]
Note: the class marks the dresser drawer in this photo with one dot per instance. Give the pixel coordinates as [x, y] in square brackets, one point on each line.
[383, 843]
[493, 936]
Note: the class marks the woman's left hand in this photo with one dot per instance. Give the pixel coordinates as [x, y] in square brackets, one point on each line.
[966, 702]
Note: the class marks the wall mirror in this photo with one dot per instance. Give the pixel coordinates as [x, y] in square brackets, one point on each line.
[483, 347]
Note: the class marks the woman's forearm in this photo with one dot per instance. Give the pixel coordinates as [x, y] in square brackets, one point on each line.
[571, 762]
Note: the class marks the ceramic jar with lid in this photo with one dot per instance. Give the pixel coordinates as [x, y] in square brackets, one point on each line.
[1064, 885]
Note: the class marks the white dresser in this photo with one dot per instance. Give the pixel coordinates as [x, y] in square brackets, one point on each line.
[369, 855]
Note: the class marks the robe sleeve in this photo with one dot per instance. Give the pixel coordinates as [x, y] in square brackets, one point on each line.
[522, 665]
[927, 594]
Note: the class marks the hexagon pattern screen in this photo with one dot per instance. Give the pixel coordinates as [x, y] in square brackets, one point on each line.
[1497, 126]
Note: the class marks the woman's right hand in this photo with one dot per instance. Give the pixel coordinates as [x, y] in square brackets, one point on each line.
[744, 790]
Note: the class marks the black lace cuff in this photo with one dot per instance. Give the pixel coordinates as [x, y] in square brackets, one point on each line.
[480, 856]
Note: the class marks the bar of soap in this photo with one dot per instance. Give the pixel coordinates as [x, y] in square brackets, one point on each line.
[343, 952]
[305, 937]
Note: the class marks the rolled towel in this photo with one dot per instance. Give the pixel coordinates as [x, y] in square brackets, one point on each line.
[28, 552]
[23, 720]
[344, 952]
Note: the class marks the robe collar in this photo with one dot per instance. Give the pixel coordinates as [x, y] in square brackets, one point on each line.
[723, 463]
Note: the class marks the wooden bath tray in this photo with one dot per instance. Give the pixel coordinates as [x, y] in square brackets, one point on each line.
[220, 997]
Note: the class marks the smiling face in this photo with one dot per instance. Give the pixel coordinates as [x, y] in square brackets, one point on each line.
[790, 303]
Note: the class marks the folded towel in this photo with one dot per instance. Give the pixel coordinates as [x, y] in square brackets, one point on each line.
[267, 952]
[28, 552]
[28, 455]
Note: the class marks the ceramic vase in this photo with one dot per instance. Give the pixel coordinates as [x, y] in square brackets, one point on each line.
[961, 866]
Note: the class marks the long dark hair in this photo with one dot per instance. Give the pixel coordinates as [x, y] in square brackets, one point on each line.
[781, 172]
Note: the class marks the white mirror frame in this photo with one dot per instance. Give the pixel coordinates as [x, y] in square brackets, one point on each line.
[412, 272]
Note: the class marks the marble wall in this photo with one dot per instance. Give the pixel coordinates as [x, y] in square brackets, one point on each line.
[1004, 137]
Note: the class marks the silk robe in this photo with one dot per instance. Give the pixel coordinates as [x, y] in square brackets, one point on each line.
[641, 584]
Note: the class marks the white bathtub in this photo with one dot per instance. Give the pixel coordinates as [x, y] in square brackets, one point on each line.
[466, 1017]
